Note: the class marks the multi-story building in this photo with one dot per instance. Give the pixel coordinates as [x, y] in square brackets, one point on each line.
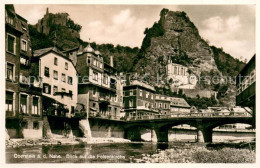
[60, 87]
[162, 104]
[99, 88]
[180, 76]
[59, 79]
[23, 95]
[139, 99]
[245, 84]
[179, 105]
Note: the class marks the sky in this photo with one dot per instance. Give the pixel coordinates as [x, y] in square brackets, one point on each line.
[231, 27]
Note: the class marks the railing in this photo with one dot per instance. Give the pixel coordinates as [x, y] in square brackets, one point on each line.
[171, 116]
[99, 115]
[191, 115]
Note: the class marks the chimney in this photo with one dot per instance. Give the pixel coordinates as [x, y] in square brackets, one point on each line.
[47, 11]
[111, 61]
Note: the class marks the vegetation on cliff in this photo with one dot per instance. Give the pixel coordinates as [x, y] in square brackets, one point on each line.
[227, 64]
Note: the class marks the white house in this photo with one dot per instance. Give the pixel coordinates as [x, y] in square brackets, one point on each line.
[59, 79]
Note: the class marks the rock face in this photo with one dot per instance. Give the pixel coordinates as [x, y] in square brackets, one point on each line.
[61, 28]
[179, 42]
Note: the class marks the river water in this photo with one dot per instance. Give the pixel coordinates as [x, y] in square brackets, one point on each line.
[103, 153]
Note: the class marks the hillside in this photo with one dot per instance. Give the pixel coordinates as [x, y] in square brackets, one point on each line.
[174, 37]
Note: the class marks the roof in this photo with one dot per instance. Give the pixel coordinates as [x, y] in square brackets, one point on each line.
[42, 52]
[72, 49]
[89, 49]
[179, 102]
[162, 97]
[141, 84]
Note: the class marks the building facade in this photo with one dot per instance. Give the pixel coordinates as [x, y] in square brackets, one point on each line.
[246, 86]
[23, 94]
[162, 104]
[180, 76]
[179, 105]
[139, 99]
[99, 88]
[59, 94]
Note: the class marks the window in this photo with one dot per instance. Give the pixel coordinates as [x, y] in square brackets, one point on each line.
[55, 61]
[70, 80]
[24, 45]
[25, 124]
[95, 76]
[95, 62]
[100, 65]
[94, 105]
[35, 110]
[9, 18]
[9, 101]
[252, 77]
[141, 92]
[46, 88]
[63, 77]
[23, 104]
[165, 106]
[72, 109]
[88, 60]
[55, 74]
[131, 92]
[24, 27]
[147, 95]
[9, 71]
[55, 89]
[11, 43]
[70, 93]
[66, 66]
[105, 79]
[175, 70]
[35, 125]
[63, 90]
[94, 91]
[160, 105]
[46, 72]
[130, 103]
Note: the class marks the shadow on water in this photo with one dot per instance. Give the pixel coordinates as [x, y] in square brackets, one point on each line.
[162, 146]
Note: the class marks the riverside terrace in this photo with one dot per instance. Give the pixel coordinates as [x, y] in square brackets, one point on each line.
[160, 124]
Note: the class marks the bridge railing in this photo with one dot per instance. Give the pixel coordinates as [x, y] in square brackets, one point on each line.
[191, 115]
[175, 115]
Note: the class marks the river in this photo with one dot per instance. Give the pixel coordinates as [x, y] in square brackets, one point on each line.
[96, 153]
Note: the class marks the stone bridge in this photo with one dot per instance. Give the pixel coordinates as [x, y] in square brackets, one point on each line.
[160, 125]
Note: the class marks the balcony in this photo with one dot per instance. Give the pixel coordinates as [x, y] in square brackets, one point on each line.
[24, 62]
[23, 80]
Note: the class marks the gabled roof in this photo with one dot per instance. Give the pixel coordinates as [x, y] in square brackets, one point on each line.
[42, 52]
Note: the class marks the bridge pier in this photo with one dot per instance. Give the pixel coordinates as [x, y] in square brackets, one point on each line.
[133, 134]
[162, 135]
[153, 135]
[204, 134]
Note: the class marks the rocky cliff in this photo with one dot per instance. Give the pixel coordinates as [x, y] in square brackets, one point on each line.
[174, 37]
